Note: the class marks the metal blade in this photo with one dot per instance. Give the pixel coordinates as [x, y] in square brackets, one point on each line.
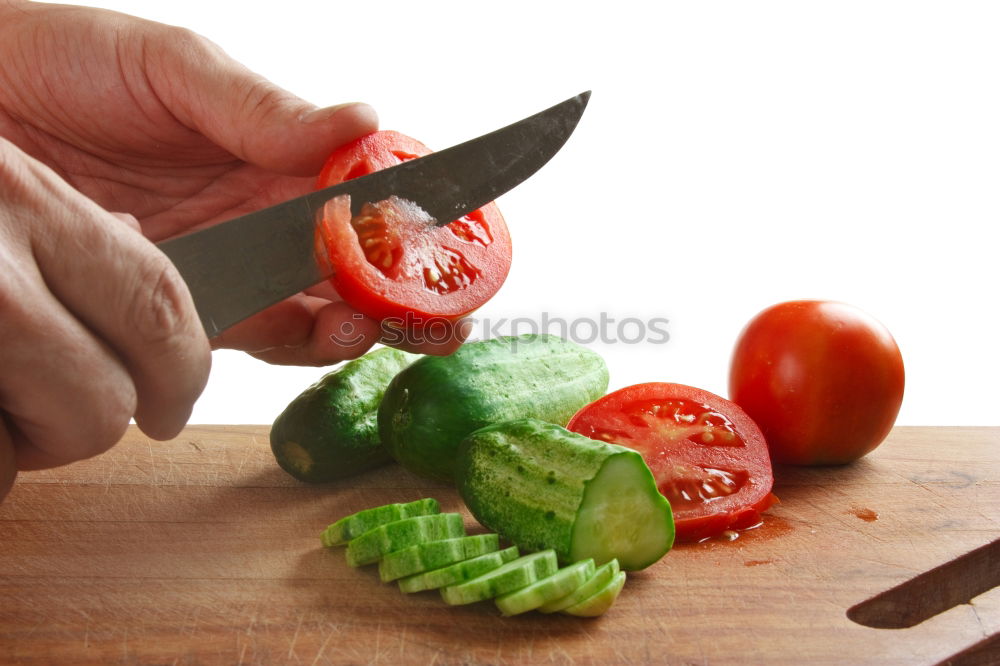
[240, 267]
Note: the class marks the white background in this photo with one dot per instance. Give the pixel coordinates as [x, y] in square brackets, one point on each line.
[734, 155]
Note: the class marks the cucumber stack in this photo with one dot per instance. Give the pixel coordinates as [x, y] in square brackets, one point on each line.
[423, 549]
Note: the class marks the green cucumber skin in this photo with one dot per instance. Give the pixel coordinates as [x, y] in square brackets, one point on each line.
[434, 555]
[330, 431]
[545, 590]
[526, 479]
[601, 577]
[349, 527]
[459, 572]
[372, 545]
[512, 576]
[433, 404]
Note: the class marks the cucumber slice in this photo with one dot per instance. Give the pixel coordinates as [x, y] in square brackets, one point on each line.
[599, 602]
[601, 577]
[514, 575]
[373, 544]
[347, 528]
[556, 586]
[458, 572]
[434, 555]
[623, 516]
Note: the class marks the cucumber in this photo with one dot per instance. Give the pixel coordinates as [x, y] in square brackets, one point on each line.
[601, 601]
[434, 555]
[513, 575]
[429, 407]
[458, 572]
[556, 586]
[373, 544]
[541, 486]
[601, 577]
[330, 431]
[354, 525]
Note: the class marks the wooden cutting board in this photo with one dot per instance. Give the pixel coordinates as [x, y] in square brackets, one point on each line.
[200, 550]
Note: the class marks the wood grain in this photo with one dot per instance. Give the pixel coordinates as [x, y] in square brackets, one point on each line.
[200, 551]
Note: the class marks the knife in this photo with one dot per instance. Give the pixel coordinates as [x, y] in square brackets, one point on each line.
[239, 267]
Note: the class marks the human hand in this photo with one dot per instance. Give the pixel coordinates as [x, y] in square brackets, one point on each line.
[105, 112]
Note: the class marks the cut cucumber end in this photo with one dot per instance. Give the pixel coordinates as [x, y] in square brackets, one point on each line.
[623, 516]
[297, 460]
[601, 601]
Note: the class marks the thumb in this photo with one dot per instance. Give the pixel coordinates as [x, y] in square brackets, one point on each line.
[247, 115]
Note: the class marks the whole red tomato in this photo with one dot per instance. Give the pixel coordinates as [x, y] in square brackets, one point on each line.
[823, 380]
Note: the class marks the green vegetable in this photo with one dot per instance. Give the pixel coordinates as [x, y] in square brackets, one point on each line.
[458, 572]
[347, 528]
[594, 584]
[601, 601]
[513, 575]
[432, 405]
[556, 586]
[330, 431]
[541, 486]
[373, 544]
[434, 555]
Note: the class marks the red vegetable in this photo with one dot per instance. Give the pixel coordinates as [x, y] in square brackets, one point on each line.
[823, 380]
[709, 459]
[388, 263]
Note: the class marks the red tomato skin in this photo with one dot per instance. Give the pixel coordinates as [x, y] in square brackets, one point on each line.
[823, 380]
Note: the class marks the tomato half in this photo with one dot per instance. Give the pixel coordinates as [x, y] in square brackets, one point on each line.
[823, 380]
[388, 262]
[709, 459]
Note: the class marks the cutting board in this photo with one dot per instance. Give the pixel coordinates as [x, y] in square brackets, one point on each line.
[200, 551]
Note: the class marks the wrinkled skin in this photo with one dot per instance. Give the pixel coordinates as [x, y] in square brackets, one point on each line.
[116, 133]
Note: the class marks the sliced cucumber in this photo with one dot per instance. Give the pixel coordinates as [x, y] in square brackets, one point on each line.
[514, 575]
[601, 577]
[357, 524]
[458, 572]
[623, 516]
[599, 602]
[541, 486]
[556, 586]
[373, 544]
[434, 555]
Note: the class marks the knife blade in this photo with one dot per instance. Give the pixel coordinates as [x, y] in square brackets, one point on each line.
[241, 266]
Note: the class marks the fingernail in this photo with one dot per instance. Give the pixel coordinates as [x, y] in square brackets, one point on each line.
[321, 114]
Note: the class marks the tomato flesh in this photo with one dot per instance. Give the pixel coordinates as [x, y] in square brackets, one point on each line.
[391, 260]
[708, 458]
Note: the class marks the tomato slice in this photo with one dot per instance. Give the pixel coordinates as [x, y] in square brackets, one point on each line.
[709, 458]
[389, 262]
